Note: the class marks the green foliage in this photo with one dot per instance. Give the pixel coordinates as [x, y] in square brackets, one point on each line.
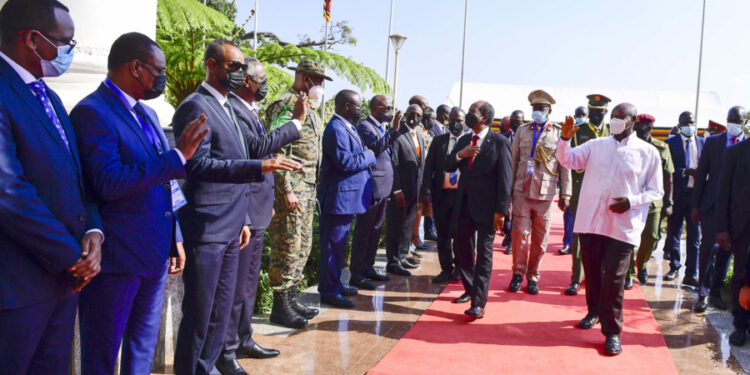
[229, 9]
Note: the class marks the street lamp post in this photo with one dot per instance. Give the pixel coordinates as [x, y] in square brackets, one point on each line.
[398, 41]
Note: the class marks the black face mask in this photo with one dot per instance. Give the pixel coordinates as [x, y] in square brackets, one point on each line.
[596, 118]
[233, 80]
[641, 131]
[357, 115]
[386, 117]
[157, 88]
[514, 125]
[262, 91]
[456, 128]
[471, 120]
[413, 119]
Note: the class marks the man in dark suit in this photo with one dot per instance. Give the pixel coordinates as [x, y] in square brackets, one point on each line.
[484, 159]
[345, 190]
[685, 149]
[439, 191]
[129, 168]
[733, 227]
[713, 265]
[369, 225]
[50, 237]
[407, 156]
[214, 223]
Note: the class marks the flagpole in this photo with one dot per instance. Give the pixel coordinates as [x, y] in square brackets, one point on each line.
[323, 97]
[255, 34]
[388, 53]
[463, 56]
[700, 62]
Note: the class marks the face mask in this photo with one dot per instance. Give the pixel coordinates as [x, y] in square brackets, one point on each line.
[233, 81]
[471, 120]
[386, 117]
[157, 88]
[539, 117]
[412, 119]
[617, 125]
[580, 120]
[60, 64]
[641, 131]
[596, 118]
[687, 131]
[427, 123]
[514, 125]
[315, 94]
[357, 116]
[456, 128]
[262, 91]
[733, 129]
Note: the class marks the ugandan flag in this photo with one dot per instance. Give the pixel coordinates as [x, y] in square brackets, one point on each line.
[327, 10]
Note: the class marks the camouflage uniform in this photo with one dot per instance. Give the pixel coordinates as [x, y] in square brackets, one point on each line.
[291, 232]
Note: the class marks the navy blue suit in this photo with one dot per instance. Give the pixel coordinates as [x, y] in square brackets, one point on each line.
[218, 193]
[345, 190]
[682, 196]
[130, 181]
[43, 217]
[369, 225]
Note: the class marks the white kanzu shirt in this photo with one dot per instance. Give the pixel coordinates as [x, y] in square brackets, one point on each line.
[630, 168]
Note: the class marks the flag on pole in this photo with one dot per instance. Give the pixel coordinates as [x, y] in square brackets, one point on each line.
[327, 10]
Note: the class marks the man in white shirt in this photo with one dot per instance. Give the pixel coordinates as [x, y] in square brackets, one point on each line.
[623, 176]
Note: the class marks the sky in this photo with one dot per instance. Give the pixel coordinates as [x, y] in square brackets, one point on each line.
[597, 45]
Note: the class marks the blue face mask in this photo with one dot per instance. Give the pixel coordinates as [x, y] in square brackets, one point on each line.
[60, 64]
[580, 120]
[687, 131]
[539, 117]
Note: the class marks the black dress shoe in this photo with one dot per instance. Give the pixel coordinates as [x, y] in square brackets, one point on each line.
[398, 270]
[690, 281]
[441, 278]
[629, 282]
[337, 301]
[230, 367]
[671, 275]
[737, 338]
[572, 289]
[256, 351]
[506, 241]
[456, 276]
[515, 283]
[407, 264]
[282, 312]
[378, 277]
[667, 256]
[588, 322]
[565, 250]
[463, 298]
[348, 292]
[717, 302]
[532, 287]
[416, 255]
[612, 345]
[509, 250]
[430, 236]
[702, 304]
[363, 284]
[643, 277]
[475, 312]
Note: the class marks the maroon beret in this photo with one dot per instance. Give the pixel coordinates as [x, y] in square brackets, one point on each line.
[646, 119]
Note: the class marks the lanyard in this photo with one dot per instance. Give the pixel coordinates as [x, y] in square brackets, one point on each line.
[144, 124]
[536, 138]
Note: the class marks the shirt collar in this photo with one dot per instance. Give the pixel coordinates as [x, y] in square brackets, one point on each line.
[684, 138]
[131, 101]
[215, 93]
[375, 121]
[344, 120]
[627, 139]
[482, 133]
[247, 105]
[21, 71]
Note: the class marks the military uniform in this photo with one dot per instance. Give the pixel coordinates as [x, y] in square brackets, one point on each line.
[291, 231]
[535, 174]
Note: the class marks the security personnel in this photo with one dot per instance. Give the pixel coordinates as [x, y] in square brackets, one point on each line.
[535, 174]
[594, 128]
[294, 199]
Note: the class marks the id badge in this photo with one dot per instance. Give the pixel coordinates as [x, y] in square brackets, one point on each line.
[178, 198]
[529, 167]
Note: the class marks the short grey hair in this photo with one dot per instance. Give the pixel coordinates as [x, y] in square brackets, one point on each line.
[251, 70]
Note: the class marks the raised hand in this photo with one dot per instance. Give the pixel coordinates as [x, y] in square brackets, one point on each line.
[397, 121]
[569, 128]
[300, 107]
[191, 138]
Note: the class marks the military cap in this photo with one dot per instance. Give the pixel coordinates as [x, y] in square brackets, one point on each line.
[598, 101]
[644, 118]
[541, 97]
[716, 125]
[309, 66]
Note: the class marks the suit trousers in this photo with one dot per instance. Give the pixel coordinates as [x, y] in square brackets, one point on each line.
[240, 329]
[741, 252]
[210, 279]
[675, 222]
[334, 231]
[121, 308]
[606, 263]
[37, 339]
[475, 276]
[366, 239]
[713, 262]
[530, 235]
[443, 209]
[398, 231]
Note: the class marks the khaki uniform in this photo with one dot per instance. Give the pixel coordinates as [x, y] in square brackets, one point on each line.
[533, 195]
[291, 232]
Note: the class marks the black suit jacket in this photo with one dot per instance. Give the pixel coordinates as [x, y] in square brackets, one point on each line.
[677, 151]
[382, 171]
[218, 175]
[407, 167]
[434, 167]
[709, 172]
[488, 183]
[733, 194]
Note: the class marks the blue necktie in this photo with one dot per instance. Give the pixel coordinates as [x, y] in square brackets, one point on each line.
[687, 158]
[40, 91]
[454, 175]
[147, 126]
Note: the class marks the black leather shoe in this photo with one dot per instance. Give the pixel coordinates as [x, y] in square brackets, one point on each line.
[348, 292]
[643, 277]
[702, 304]
[463, 298]
[430, 236]
[588, 322]
[378, 277]
[441, 278]
[612, 345]
[509, 250]
[572, 289]
[532, 287]
[456, 276]
[515, 283]
[629, 282]
[690, 281]
[407, 264]
[282, 312]
[671, 275]
[363, 284]
[717, 302]
[230, 367]
[565, 250]
[506, 241]
[303, 310]
[737, 338]
[337, 301]
[475, 312]
[256, 351]
[398, 270]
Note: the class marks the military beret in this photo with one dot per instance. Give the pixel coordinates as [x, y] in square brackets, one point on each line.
[541, 97]
[598, 101]
[645, 118]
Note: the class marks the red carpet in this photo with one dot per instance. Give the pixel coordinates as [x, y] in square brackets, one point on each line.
[524, 334]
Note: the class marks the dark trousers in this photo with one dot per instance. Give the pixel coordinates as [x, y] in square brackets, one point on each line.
[399, 230]
[429, 224]
[605, 261]
[121, 308]
[568, 227]
[713, 262]
[334, 231]
[443, 211]
[240, 329]
[740, 251]
[475, 276]
[37, 339]
[680, 215]
[210, 278]
[366, 238]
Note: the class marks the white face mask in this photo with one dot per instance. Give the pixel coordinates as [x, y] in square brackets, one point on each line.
[617, 125]
[734, 129]
[316, 93]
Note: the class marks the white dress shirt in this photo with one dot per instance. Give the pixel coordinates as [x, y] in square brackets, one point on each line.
[447, 179]
[693, 162]
[630, 168]
[482, 135]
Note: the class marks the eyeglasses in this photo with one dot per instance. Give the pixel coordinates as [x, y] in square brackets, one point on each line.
[159, 70]
[71, 44]
[233, 65]
[385, 108]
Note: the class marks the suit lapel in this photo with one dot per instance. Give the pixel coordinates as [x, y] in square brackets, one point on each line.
[223, 115]
[119, 108]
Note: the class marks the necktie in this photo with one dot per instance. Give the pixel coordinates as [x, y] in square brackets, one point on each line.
[454, 175]
[237, 127]
[687, 153]
[734, 140]
[473, 143]
[416, 145]
[261, 130]
[145, 123]
[40, 92]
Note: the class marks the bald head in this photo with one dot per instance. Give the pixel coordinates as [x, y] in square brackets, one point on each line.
[581, 112]
[419, 100]
[628, 113]
[442, 113]
[686, 119]
[737, 115]
[348, 105]
[381, 109]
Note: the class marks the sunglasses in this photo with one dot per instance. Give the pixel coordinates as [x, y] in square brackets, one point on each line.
[233, 65]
